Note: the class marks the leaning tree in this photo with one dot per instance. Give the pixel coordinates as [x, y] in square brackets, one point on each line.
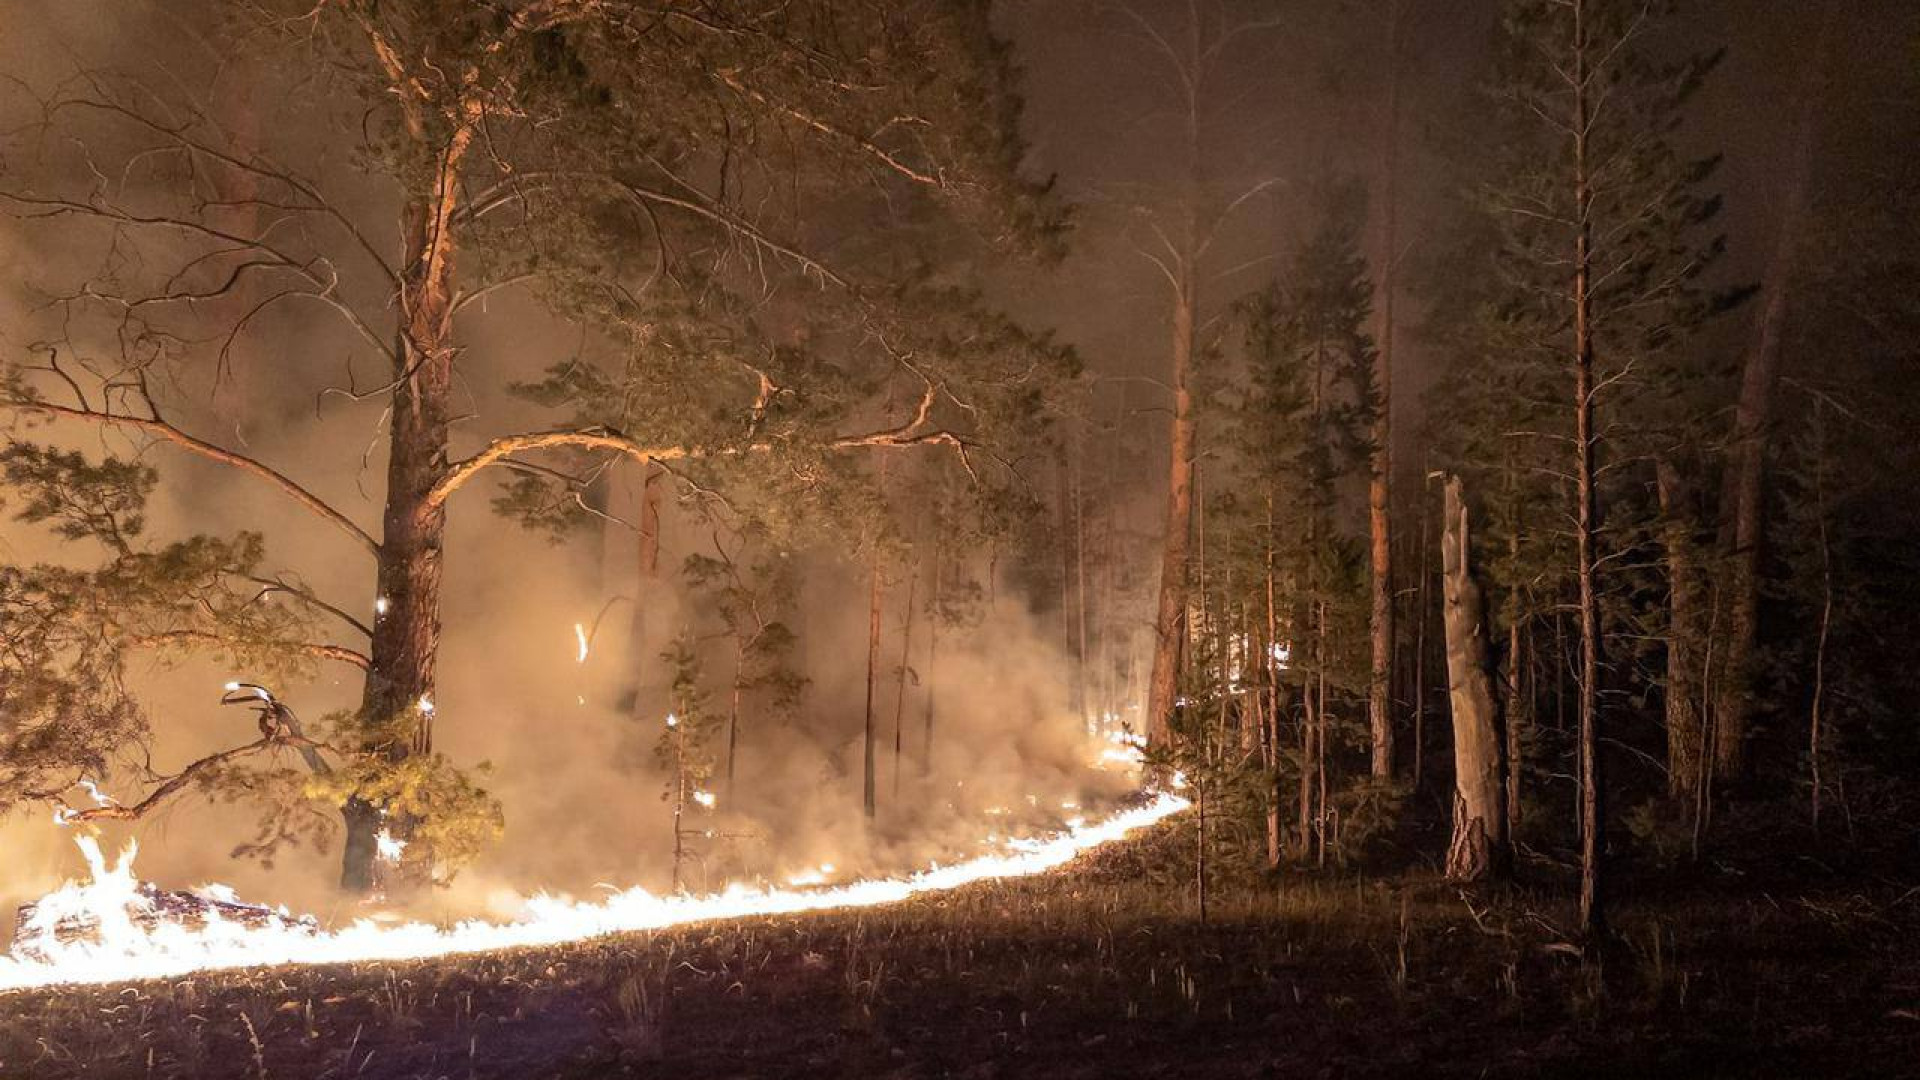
[740, 221]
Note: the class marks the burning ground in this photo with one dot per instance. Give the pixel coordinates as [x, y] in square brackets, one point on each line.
[1101, 968]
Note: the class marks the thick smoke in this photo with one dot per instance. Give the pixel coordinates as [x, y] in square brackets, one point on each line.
[571, 763]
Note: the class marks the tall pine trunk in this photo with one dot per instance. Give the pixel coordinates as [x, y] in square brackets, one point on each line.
[1380, 478]
[1587, 509]
[396, 708]
[1169, 624]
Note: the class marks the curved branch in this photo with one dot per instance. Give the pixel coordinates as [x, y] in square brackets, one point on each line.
[305, 596]
[914, 432]
[178, 781]
[321, 650]
[163, 430]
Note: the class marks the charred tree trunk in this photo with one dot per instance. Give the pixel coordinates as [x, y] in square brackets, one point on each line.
[1422, 616]
[869, 734]
[900, 687]
[1480, 846]
[1516, 701]
[1816, 721]
[1275, 704]
[933, 670]
[1744, 493]
[1685, 724]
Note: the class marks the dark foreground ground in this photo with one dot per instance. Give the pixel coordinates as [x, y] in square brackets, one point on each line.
[1103, 970]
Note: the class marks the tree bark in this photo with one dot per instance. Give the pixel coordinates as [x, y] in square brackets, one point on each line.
[1380, 479]
[647, 626]
[900, 688]
[1480, 847]
[1587, 510]
[397, 702]
[1169, 625]
[1170, 622]
[1685, 725]
[869, 734]
[933, 661]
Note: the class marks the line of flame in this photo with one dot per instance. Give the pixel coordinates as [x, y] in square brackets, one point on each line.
[126, 952]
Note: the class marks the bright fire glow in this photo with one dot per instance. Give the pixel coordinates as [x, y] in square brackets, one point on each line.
[580, 637]
[705, 798]
[389, 847]
[130, 942]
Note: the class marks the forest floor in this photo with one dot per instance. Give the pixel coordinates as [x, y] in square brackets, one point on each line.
[1103, 969]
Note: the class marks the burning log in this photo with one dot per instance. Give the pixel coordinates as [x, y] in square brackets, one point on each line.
[116, 908]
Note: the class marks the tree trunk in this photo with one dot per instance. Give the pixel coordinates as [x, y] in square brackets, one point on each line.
[1743, 494]
[933, 660]
[1275, 703]
[1685, 725]
[646, 624]
[396, 709]
[873, 675]
[1380, 479]
[1080, 656]
[1480, 846]
[1422, 616]
[1586, 516]
[1816, 723]
[900, 689]
[1516, 702]
[733, 708]
[1169, 624]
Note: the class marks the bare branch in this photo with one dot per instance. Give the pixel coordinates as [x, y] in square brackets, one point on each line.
[167, 432]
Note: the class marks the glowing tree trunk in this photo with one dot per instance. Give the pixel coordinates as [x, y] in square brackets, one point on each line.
[1479, 848]
[1380, 478]
[1169, 624]
[396, 706]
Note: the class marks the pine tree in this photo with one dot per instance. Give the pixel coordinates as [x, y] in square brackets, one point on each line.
[615, 166]
[1591, 222]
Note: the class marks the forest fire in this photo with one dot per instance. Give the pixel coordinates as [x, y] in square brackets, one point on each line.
[647, 464]
[116, 928]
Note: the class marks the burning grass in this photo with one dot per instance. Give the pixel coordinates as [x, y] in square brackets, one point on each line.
[1101, 969]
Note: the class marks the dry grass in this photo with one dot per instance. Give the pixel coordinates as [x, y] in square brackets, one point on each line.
[1098, 971]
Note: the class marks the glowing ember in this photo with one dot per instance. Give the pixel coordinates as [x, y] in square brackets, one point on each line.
[817, 876]
[127, 939]
[580, 636]
[705, 798]
[1124, 749]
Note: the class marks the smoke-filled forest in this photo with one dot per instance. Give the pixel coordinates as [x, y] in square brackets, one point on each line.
[941, 538]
